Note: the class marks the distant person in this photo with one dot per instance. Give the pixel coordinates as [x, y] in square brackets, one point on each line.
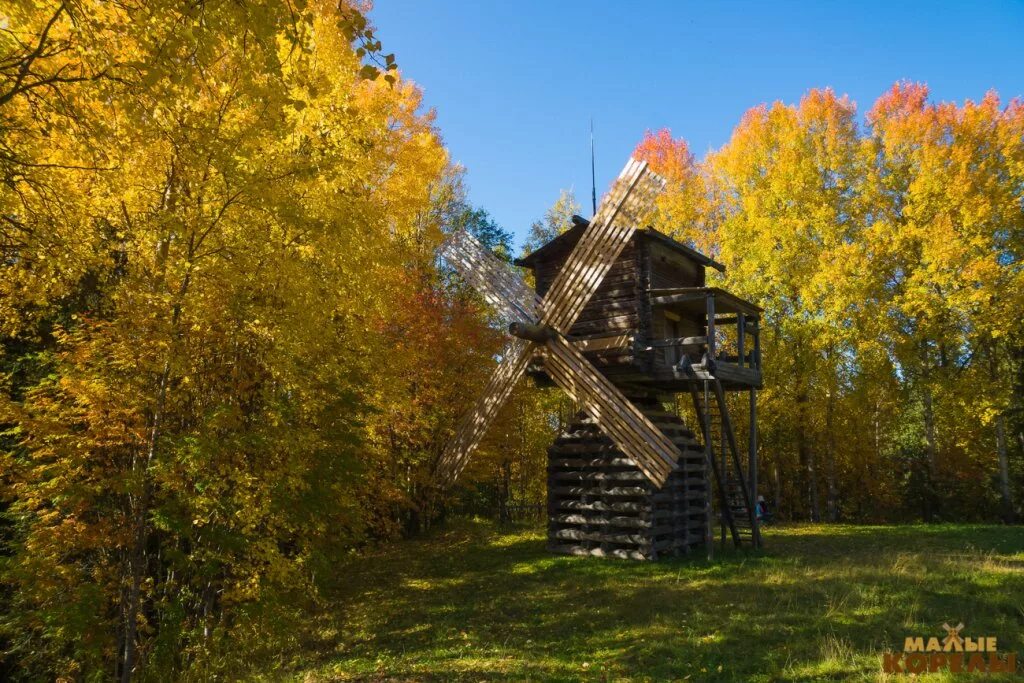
[761, 510]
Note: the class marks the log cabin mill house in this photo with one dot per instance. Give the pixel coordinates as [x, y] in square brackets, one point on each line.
[656, 330]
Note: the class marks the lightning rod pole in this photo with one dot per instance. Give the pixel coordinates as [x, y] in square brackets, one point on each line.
[593, 174]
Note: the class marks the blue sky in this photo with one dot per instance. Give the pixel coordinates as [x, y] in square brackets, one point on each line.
[515, 84]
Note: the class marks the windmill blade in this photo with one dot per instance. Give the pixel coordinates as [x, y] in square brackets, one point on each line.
[496, 282]
[474, 424]
[621, 211]
[629, 428]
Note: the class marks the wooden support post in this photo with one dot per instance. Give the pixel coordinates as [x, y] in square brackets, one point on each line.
[741, 338]
[725, 472]
[752, 450]
[757, 346]
[709, 455]
[711, 325]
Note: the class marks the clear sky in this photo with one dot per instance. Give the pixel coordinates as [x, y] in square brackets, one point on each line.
[515, 83]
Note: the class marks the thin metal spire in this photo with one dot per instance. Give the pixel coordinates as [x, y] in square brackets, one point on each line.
[593, 174]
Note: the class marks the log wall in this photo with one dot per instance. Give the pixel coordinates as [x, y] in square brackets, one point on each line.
[668, 270]
[614, 309]
[601, 504]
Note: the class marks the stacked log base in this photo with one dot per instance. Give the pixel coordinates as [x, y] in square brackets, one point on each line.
[601, 504]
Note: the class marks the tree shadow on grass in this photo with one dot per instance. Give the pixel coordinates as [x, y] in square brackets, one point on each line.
[820, 603]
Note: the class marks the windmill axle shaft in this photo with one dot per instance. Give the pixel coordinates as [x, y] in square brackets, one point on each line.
[538, 333]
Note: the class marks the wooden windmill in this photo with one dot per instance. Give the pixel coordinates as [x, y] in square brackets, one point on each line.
[610, 323]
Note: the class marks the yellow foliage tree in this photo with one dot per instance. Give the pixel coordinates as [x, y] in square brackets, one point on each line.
[210, 214]
[888, 260]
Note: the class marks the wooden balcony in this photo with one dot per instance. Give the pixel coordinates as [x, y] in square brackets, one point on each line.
[729, 350]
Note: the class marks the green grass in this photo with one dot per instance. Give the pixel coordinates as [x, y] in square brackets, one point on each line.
[820, 603]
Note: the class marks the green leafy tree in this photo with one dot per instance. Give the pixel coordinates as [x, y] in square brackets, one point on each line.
[557, 220]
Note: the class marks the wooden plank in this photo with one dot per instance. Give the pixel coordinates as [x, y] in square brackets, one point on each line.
[608, 309]
[614, 291]
[752, 448]
[491, 277]
[679, 341]
[587, 550]
[615, 491]
[735, 375]
[620, 323]
[757, 351]
[677, 298]
[637, 202]
[661, 291]
[578, 476]
[560, 459]
[728, 302]
[614, 341]
[474, 424]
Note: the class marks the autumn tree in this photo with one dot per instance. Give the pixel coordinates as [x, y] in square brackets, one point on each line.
[684, 210]
[212, 214]
[778, 215]
[945, 197]
[888, 262]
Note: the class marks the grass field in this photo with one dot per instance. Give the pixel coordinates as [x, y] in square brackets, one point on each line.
[820, 603]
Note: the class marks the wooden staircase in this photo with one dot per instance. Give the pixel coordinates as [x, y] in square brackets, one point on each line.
[735, 506]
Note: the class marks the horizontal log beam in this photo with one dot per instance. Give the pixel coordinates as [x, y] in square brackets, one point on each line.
[679, 341]
[615, 341]
[734, 319]
[677, 298]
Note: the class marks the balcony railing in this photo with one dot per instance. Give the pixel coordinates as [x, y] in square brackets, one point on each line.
[731, 346]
